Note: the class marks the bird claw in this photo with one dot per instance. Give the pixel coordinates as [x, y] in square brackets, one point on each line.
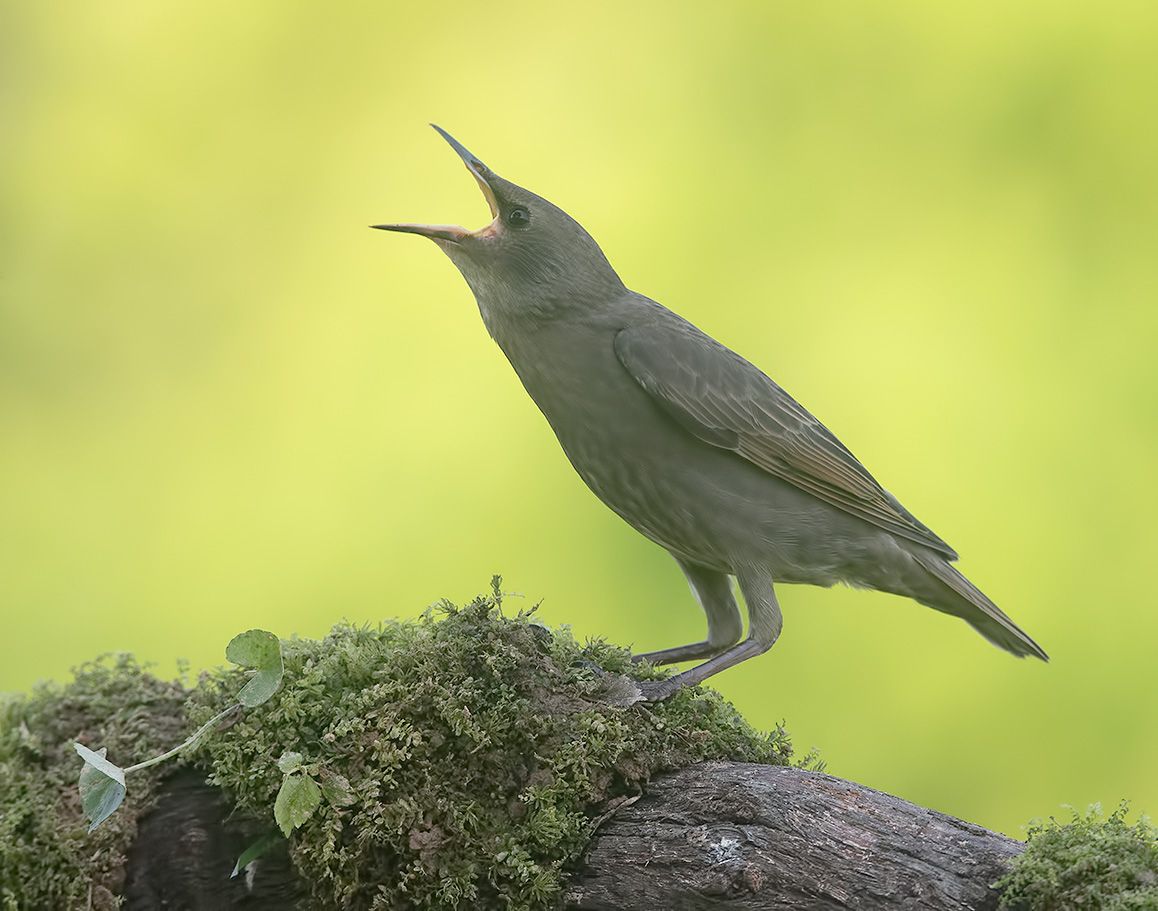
[618, 690]
[653, 691]
[623, 691]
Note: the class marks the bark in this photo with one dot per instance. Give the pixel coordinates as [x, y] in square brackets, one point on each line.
[185, 851]
[736, 836]
[721, 836]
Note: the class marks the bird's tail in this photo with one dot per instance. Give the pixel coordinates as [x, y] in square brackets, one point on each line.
[965, 600]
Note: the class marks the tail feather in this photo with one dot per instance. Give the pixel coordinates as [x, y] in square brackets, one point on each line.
[977, 610]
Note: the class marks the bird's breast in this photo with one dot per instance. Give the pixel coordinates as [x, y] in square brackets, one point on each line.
[632, 456]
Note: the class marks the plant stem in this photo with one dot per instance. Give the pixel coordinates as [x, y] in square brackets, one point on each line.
[190, 741]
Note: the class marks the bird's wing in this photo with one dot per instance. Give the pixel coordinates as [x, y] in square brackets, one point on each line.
[726, 401]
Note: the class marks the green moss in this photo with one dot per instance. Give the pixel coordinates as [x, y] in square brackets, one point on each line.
[1088, 863]
[466, 758]
[480, 751]
[47, 859]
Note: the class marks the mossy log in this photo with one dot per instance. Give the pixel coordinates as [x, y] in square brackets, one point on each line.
[715, 835]
[472, 760]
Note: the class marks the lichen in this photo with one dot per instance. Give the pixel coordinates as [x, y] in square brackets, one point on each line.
[47, 858]
[480, 750]
[1090, 863]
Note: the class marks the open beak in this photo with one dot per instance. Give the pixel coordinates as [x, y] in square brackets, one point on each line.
[453, 233]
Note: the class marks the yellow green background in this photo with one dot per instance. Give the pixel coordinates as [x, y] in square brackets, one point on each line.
[225, 403]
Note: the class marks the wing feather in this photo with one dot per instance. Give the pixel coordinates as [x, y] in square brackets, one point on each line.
[727, 402]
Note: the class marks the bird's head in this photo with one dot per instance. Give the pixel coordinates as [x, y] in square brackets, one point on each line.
[532, 254]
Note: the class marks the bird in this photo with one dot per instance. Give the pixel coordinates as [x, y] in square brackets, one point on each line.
[688, 442]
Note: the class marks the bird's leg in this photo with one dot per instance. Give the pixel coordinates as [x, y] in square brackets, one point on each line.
[764, 624]
[714, 592]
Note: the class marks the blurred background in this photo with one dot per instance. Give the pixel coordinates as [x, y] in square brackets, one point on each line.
[226, 403]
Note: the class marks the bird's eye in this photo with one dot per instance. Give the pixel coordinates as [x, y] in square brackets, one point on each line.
[518, 217]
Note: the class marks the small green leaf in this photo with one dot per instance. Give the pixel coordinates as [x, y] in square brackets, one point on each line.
[336, 788]
[260, 650]
[102, 785]
[254, 851]
[290, 761]
[296, 801]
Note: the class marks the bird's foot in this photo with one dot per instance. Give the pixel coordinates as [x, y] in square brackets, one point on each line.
[618, 690]
[621, 690]
[653, 691]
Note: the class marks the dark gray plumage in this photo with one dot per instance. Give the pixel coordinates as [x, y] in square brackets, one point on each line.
[688, 442]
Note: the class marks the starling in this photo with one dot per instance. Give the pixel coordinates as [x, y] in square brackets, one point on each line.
[689, 443]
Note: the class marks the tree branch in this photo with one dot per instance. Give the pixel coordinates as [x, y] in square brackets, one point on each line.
[736, 836]
[721, 836]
